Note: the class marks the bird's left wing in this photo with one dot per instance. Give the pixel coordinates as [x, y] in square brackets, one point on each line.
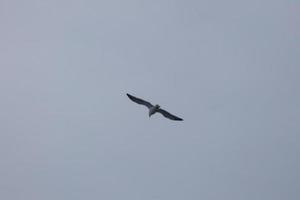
[139, 101]
[169, 115]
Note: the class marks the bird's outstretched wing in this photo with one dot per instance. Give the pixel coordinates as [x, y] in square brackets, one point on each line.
[140, 101]
[169, 115]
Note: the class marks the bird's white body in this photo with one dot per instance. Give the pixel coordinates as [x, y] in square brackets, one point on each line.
[153, 110]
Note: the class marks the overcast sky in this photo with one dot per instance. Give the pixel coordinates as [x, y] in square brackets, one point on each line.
[229, 68]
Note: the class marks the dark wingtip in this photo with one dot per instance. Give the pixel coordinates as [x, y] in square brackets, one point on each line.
[178, 119]
[129, 96]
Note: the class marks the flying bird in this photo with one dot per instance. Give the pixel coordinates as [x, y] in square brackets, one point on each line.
[153, 108]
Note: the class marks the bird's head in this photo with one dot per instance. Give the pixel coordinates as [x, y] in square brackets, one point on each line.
[157, 106]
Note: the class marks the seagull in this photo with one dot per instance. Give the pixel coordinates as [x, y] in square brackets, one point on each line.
[153, 108]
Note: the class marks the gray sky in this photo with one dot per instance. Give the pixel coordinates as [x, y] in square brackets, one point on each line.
[229, 68]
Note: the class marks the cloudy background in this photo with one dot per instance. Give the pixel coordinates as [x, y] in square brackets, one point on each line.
[229, 68]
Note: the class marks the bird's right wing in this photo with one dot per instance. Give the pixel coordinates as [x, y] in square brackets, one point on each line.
[169, 115]
[139, 101]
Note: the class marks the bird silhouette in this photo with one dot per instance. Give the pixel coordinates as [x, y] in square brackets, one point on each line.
[154, 108]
